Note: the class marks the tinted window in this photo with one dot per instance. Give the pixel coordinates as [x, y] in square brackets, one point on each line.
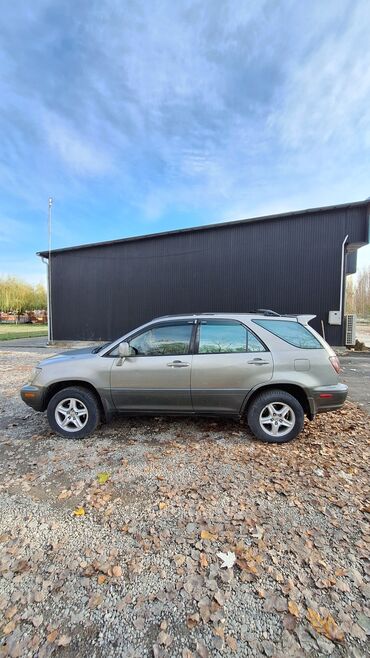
[225, 338]
[293, 333]
[163, 340]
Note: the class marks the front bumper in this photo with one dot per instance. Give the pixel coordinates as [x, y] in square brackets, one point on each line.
[327, 398]
[34, 396]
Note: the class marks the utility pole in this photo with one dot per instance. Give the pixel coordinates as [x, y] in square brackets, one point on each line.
[50, 314]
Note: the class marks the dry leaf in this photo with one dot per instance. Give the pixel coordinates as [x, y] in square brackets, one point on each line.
[9, 628]
[207, 535]
[219, 631]
[64, 494]
[293, 608]
[192, 620]
[10, 612]
[117, 571]
[101, 579]
[79, 511]
[95, 601]
[228, 559]
[179, 560]
[64, 640]
[257, 532]
[325, 626]
[37, 620]
[52, 636]
[203, 561]
[231, 642]
[162, 505]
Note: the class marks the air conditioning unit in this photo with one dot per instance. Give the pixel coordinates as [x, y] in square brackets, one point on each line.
[350, 330]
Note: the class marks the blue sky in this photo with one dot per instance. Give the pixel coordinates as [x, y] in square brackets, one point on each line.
[142, 116]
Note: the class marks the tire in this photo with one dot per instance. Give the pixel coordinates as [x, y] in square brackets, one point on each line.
[77, 404]
[282, 427]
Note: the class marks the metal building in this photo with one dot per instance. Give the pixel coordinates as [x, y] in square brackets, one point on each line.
[291, 263]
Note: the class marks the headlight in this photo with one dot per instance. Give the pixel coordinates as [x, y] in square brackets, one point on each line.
[34, 375]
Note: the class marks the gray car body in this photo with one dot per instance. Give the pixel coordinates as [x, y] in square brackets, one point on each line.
[204, 384]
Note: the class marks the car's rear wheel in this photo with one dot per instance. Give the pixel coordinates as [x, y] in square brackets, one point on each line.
[275, 416]
[73, 412]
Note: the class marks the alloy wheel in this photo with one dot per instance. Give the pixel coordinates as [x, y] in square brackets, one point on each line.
[71, 414]
[277, 419]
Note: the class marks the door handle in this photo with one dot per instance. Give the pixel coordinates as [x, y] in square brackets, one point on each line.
[258, 362]
[178, 364]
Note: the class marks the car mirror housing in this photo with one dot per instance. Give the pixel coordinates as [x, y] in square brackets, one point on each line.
[124, 350]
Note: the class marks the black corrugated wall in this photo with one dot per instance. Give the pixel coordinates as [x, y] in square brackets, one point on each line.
[292, 265]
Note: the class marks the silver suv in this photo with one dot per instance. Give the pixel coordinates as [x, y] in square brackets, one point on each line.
[270, 369]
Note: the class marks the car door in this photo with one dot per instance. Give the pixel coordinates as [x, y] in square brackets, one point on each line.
[156, 378]
[229, 360]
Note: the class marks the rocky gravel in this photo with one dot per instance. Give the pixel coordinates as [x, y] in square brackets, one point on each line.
[109, 546]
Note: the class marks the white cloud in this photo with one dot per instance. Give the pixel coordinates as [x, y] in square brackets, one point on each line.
[326, 94]
[76, 150]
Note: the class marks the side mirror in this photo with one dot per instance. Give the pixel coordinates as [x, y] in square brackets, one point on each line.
[124, 350]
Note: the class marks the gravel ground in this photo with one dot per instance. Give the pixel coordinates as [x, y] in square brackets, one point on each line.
[108, 546]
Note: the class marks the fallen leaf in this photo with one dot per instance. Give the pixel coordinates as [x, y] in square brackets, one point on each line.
[103, 477]
[207, 535]
[219, 631]
[9, 628]
[37, 620]
[203, 561]
[10, 612]
[64, 494]
[164, 638]
[257, 532]
[325, 625]
[219, 597]
[101, 579]
[52, 636]
[64, 640]
[162, 505]
[117, 571]
[228, 559]
[193, 620]
[202, 649]
[95, 601]
[293, 608]
[231, 642]
[274, 602]
[179, 560]
[79, 511]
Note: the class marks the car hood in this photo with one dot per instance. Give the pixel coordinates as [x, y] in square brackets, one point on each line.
[82, 353]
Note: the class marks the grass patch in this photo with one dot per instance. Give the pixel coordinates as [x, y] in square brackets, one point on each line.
[11, 331]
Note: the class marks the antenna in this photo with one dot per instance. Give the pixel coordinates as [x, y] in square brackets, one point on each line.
[50, 316]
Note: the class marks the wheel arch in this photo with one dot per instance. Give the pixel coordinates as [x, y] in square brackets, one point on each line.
[297, 391]
[59, 386]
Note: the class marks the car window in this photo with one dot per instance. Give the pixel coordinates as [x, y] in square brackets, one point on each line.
[173, 339]
[293, 333]
[254, 345]
[226, 337]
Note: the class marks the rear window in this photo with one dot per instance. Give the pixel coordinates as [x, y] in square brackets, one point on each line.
[293, 333]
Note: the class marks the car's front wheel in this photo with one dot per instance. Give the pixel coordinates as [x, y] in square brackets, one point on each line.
[73, 412]
[275, 416]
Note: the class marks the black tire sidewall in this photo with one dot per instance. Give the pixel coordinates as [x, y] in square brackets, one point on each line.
[88, 399]
[266, 397]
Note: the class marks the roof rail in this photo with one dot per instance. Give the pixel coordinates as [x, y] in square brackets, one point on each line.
[267, 311]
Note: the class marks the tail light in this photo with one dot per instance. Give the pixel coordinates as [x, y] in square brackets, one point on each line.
[335, 363]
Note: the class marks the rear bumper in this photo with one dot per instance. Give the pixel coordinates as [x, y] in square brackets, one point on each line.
[34, 396]
[327, 398]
